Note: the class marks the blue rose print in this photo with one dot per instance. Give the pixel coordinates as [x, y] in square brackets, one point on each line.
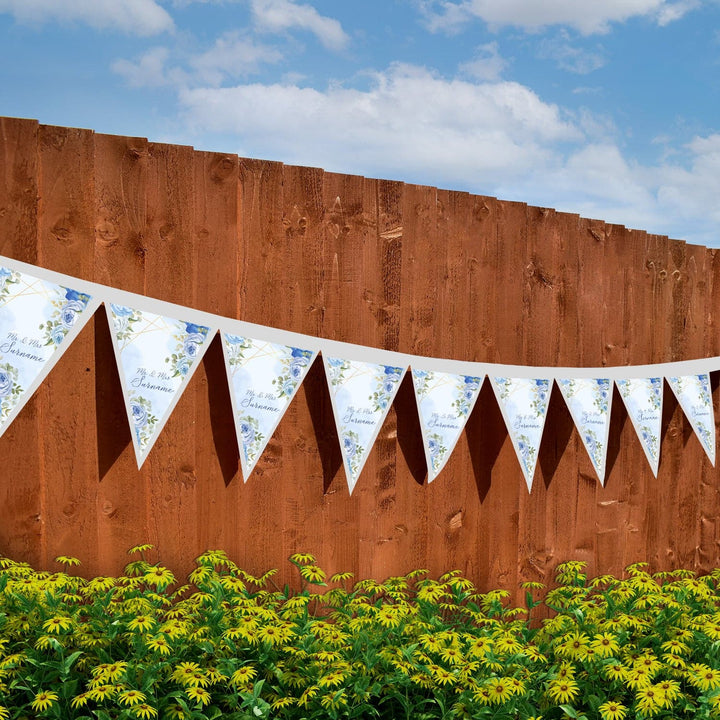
[139, 415]
[6, 383]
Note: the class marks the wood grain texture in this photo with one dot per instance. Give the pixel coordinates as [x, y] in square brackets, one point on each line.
[374, 262]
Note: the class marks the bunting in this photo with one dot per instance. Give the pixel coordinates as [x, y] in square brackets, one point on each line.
[158, 346]
[156, 355]
[264, 378]
[38, 321]
[444, 402]
[693, 394]
[524, 403]
[361, 393]
[643, 400]
[588, 400]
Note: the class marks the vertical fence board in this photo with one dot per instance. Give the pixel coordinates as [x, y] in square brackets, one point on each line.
[120, 250]
[66, 242]
[22, 516]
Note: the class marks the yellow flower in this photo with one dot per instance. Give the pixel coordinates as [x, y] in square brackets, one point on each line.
[638, 677]
[142, 623]
[159, 644]
[313, 574]
[332, 679]
[80, 700]
[335, 701]
[200, 695]
[159, 577]
[612, 710]
[649, 662]
[243, 675]
[500, 690]
[131, 697]
[44, 700]
[479, 647]
[67, 560]
[451, 655]
[4, 713]
[388, 617]
[140, 549]
[482, 695]
[605, 645]
[100, 692]
[573, 646]
[184, 671]
[649, 700]
[675, 647]
[57, 623]
[670, 690]
[144, 711]
[303, 559]
[442, 676]
[705, 678]
[175, 712]
[282, 702]
[508, 644]
[340, 577]
[273, 634]
[562, 691]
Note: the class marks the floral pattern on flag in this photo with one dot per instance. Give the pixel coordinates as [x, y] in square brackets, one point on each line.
[588, 400]
[444, 404]
[157, 355]
[361, 393]
[643, 400]
[524, 403]
[263, 379]
[35, 318]
[693, 394]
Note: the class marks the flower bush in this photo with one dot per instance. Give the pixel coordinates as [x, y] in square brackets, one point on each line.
[230, 645]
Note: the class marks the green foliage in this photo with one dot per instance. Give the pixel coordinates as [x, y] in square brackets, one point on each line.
[230, 645]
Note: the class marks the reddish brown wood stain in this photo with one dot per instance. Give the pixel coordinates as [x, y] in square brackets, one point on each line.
[373, 262]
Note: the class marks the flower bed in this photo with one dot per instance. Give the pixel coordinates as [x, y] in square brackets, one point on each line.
[234, 646]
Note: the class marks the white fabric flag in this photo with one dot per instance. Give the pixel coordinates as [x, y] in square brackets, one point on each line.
[445, 402]
[156, 357]
[693, 394]
[524, 403]
[361, 394]
[38, 322]
[589, 400]
[263, 378]
[643, 400]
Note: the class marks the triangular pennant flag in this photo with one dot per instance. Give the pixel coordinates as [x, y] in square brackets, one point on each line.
[589, 400]
[524, 403]
[361, 394]
[156, 356]
[38, 322]
[444, 403]
[263, 379]
[693, 394]
[643, 400]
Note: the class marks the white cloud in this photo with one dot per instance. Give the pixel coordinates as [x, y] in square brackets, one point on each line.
[487, 63]
[232, 56]
[141, 17]
[281, 15]
[410, 122]
[571, 57]
[531, 15]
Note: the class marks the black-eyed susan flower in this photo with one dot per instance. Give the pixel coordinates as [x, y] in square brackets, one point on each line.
[57, 624]
[704, 678]
[43, 700]
[175, 712]
[80, 700]
[605, 645]
[131, 697]
[243, 676]
[67, 560]
[200, 695]
[158, 576]
[303, 559]
[649, 701]
[670, 690]
[143, 623]
[144, 711]
[500, 690]
[280, 703]
[159, 644]
[612, 710]
[562, 690]
[4, 713]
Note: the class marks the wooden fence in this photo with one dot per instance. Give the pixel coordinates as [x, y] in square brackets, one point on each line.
[380, 263]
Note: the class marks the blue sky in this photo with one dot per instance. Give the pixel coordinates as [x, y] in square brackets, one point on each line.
[609, 109]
